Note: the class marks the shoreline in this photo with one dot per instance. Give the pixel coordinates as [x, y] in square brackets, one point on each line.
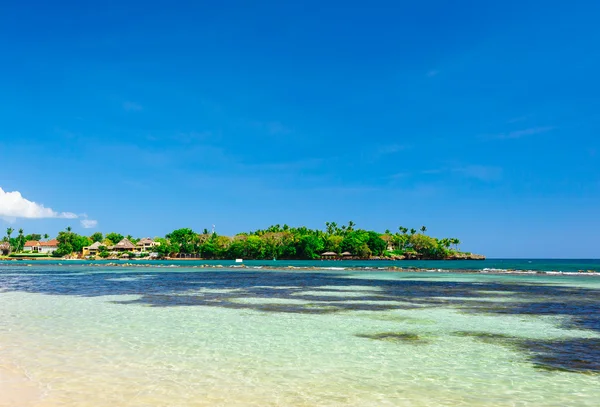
[127, 264]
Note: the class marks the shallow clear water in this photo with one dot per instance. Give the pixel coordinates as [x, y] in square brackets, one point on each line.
[90, 336]
[564, 265]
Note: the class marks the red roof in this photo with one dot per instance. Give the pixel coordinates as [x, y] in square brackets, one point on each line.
[33, 243]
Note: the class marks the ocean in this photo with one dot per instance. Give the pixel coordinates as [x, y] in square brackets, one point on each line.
[324, 334]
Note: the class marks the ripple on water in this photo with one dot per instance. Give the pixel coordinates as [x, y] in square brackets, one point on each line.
[248, 338]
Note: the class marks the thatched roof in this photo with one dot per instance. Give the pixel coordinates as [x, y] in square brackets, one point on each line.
[329, 254]
[4, 246]
[124, 244]
[95, 246]
[145, 240]
[347, 254]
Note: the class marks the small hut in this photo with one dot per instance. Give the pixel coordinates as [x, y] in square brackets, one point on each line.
[4, 249]
[347, 255]
[328, 255]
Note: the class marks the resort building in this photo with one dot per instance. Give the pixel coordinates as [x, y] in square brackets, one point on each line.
[124, 245]
[146, 245]
[92, 250]
[34, 246]
[329, 255]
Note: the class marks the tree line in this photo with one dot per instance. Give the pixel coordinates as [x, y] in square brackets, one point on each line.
[275, 242]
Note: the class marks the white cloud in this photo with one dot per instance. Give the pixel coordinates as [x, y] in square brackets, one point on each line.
[89, 223]
[13, 206]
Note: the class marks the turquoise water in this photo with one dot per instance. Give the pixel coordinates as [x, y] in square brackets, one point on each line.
[100, 336]
[565, 265]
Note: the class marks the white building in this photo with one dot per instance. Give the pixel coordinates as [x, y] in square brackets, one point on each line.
[34, 246]
[146, 245]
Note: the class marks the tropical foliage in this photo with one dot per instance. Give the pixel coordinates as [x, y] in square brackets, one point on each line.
[278, 242]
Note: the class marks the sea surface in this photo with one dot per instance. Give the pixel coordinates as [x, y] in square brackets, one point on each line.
[322, 335]
[489, 265]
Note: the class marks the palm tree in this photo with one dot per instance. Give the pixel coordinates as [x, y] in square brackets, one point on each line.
[69, 229]
[351, 226]
[335, 228]
[20, 241]
[413, 231]
[9, 232]
[455, 242]
[423, 229]
[46, 236]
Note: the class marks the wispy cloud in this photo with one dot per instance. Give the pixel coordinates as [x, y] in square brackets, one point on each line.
[272, 128]
[480, 172]
[13, 205]
[518, 133]
[132, 106]
[518, 119]
[390, 149]
[89, 223]
[192, 136]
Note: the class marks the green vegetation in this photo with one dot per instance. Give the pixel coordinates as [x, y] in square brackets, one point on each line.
[284, 242]
[275, 242]
[16, 243]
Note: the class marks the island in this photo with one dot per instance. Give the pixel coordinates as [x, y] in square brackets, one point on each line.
[282, 242]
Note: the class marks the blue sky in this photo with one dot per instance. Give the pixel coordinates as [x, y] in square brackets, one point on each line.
[478, 120]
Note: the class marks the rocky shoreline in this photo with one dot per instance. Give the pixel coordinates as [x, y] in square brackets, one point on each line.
[457, 256]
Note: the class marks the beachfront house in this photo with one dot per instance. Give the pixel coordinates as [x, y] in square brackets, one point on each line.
[35, 246]
[92, 250]
[329, 255]
[146, 245]
[124, 245]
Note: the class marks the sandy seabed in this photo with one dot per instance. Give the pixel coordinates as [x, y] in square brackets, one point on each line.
[16, 389]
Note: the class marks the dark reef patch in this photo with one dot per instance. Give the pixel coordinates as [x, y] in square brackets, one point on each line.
[577, 355]
[402, 337]
[579, 307]
[487, 337]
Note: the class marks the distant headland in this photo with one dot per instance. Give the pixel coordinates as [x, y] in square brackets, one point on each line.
[335, 242]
